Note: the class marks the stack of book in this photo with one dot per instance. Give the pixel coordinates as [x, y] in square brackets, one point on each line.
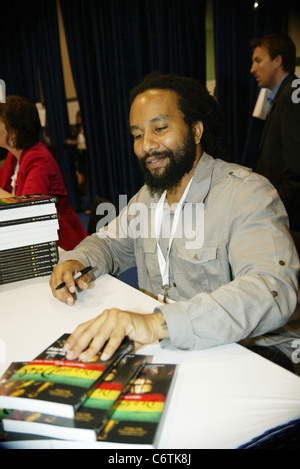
[119, 401]
[28, 237]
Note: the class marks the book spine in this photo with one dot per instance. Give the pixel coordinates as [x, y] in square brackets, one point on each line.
[8, 269]
[35, 249]
[27, 276]
[27, 259]
[21, 221]
[26, 269]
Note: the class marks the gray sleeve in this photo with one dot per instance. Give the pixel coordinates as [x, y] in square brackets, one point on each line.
[262, 296]
[110, 250]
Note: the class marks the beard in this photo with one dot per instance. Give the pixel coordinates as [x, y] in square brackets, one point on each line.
[180, 163]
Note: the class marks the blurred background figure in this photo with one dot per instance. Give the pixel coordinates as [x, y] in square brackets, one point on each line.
[77, 147]
[278, 159]
[30, 168]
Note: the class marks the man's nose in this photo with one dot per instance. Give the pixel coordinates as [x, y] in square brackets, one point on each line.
[150, 142]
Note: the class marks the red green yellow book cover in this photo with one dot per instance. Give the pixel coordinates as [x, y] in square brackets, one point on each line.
[53, 385]
[137, 414]
[90, 417]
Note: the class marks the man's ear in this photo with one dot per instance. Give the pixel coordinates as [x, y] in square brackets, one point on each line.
[198, 131]
[278, 61]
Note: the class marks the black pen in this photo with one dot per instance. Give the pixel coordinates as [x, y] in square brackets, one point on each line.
[76, 276]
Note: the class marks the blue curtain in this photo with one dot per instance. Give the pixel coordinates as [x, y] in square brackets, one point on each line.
[112, 45]
[18, 64]
[49, 61]
[236, 23]
[31, 66]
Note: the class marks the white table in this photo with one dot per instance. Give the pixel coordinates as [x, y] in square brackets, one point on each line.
[223, 397]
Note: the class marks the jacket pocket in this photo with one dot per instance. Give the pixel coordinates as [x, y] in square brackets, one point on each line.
[146, 259]
[195, 270]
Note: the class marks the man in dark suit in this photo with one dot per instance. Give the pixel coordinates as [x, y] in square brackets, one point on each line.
[273, 65]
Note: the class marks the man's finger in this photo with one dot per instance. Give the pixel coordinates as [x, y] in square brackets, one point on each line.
[80, 340]
[65, 273]
[113, 344]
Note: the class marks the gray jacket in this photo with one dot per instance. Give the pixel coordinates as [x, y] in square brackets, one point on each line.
[240, 283]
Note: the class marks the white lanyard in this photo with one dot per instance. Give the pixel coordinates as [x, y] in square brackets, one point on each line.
[164, 264]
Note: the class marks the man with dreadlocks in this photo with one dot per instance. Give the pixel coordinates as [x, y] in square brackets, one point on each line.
[214, 245]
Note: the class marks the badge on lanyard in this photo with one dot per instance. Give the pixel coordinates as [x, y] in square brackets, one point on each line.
[164, 264]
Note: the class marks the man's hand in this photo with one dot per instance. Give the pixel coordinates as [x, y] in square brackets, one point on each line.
[112, 326]
[65, 272]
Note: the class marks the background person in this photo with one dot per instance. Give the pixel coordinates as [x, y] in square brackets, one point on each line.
[31, 169]
[278, 159]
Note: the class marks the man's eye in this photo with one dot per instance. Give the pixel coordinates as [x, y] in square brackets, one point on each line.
[161, 129]
[137, 137]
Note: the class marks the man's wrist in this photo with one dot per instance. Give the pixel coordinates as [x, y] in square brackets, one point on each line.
[162, 324]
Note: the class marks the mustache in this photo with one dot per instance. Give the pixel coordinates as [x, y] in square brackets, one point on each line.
[157, 155]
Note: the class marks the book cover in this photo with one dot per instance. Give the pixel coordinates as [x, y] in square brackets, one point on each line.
[137, 416]
[90, 417]
[50, 384]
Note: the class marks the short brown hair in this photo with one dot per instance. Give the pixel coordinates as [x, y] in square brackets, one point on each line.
[279, 44]
[20, 116]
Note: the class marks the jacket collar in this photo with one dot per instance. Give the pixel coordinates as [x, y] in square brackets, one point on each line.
[202, 179]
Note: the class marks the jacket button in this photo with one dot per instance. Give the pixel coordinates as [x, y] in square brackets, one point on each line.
[196, 256]
[281, 262]
[274, 293]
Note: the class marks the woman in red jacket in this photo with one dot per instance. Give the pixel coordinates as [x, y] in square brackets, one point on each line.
[31, 169]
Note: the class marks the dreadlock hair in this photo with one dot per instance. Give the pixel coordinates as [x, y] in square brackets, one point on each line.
[195, 103]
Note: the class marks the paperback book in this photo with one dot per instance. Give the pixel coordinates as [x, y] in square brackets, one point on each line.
[30, 250]
[27, 222]
[51, 384]
[21, 264]
[10, 225]
[25, 275]
[28, 262]
[24, 239]
[90, 417]
[24, 206]
[137, 416]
